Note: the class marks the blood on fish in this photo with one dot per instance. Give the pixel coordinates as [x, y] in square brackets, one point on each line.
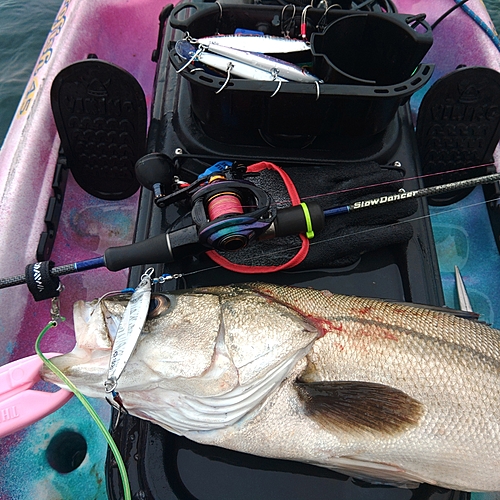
[340, 346]
[377, 333]
[324, 326]
[387, 334]
[364, 332]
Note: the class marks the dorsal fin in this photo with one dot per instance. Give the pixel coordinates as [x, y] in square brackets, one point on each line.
[359, 406]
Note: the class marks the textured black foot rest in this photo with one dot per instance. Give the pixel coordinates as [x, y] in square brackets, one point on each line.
[458, 126]
[100, 114]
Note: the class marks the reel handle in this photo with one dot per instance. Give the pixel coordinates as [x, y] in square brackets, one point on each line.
[155, 172]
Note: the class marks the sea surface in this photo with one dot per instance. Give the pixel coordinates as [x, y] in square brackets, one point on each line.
[23, 29]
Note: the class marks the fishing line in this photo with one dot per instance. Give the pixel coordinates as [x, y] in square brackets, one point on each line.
[394, 166]
[100, 424]
[380, 184]
[279, 204]
[386, 183]
[367, 230]
[413, 219]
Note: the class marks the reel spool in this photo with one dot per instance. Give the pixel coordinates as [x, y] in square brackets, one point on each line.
[230, 214]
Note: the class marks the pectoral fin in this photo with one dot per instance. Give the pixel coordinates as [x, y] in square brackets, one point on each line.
[359, 407]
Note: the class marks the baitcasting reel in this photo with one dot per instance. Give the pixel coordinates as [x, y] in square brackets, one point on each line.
[228, 212]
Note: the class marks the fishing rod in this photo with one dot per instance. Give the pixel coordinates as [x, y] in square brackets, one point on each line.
[416, 193]
[222, 232]
[489, 168]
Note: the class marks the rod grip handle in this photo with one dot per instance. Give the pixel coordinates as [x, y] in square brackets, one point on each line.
[292, 220]
[150, 251]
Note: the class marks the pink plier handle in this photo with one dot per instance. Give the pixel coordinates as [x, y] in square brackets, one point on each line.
[21, 406]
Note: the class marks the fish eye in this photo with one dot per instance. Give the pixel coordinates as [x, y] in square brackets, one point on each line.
[158, 305]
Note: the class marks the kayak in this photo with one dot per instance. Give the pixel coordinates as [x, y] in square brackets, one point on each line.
[200, 117]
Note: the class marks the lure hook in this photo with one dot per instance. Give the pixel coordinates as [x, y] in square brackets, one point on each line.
[230, 66]
[55, 308]
[279, 85]
[317, 89]
[220, 17]
[192, 59]
[303, 22]
[286, 25]
[148, 273]
[323, 20]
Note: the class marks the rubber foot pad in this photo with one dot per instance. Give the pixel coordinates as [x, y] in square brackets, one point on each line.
[100, 114]
[458, 126]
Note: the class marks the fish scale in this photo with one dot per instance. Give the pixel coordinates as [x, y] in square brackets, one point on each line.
[383, 391]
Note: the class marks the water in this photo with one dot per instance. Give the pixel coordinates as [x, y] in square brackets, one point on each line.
[23, 29]
[493, 7]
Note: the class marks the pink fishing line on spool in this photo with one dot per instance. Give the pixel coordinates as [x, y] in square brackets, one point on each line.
[224, 204]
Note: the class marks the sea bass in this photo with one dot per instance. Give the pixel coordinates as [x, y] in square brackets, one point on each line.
[387, 391]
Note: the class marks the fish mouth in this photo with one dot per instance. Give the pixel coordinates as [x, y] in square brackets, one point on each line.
[61, 363]
[75, 366]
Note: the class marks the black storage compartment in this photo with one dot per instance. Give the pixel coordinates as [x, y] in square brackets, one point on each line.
[353, 108]
[370, 49]
[296, 109]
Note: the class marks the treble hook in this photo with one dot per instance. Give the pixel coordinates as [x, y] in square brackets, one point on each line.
[277, 88]
[324, 17]
[303, 22]
[317, 89]
[193, 58]
[230, 66]
[275, 72]
[117, 404]
[55, 307]
[220, 17]
[285, 31]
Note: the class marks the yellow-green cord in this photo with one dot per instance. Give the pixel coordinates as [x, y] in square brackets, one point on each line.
[89, 408]
[307, 218]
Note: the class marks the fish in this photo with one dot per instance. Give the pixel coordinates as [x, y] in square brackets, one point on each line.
[388, 392]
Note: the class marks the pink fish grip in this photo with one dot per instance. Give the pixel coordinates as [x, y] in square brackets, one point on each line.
[21, 406]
